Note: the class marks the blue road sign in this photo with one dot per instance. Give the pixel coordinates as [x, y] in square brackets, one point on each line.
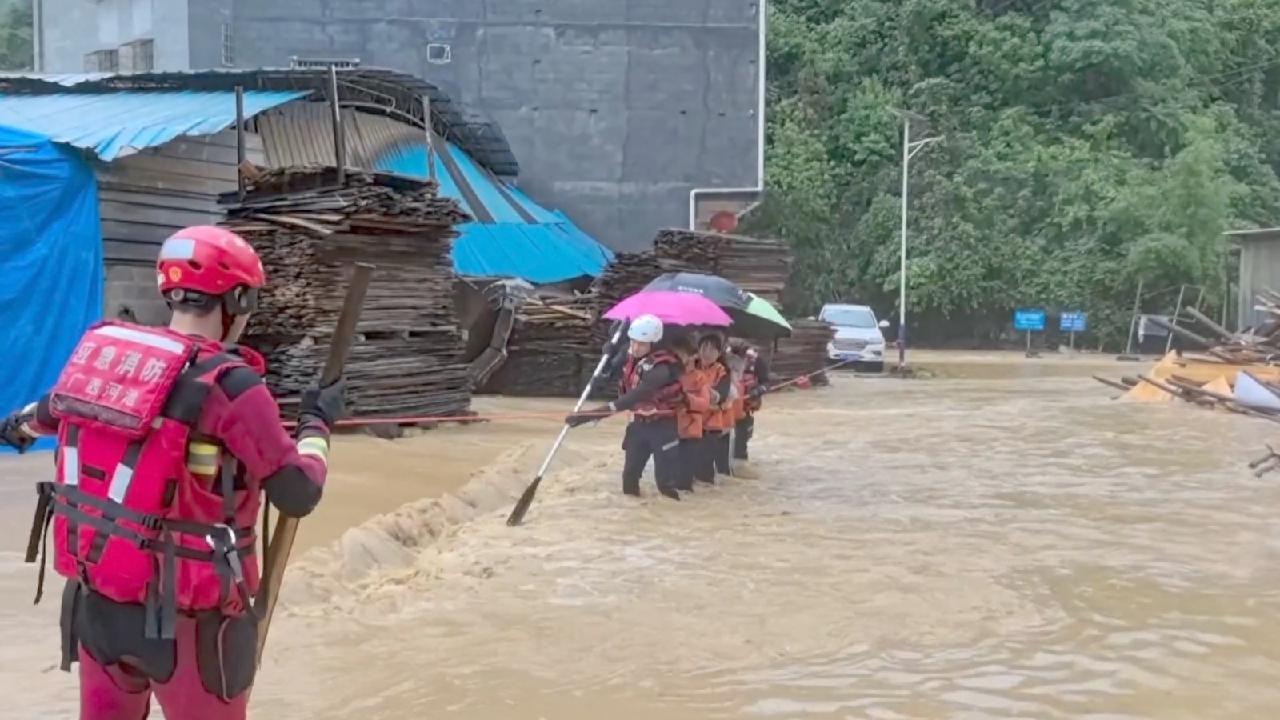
[1029, 319]
[1074, 322]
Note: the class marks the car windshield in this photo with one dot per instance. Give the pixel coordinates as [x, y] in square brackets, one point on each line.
[849, 317]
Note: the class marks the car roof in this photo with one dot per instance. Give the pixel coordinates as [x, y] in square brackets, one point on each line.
[846, 305]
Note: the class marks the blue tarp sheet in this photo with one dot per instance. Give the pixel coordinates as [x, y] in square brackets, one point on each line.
[50, 261]
[549, 249]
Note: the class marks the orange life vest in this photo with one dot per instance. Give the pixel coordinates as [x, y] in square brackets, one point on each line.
[716, 417]
[667, 399]
[691, 414]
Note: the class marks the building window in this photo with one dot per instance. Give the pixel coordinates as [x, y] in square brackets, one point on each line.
[137, 56]
[228, 46]
[102, 61]
[439, 53]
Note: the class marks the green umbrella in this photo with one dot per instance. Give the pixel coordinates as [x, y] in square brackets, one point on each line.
[765, 310]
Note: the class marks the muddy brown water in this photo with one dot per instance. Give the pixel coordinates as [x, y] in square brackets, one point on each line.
[1001, 541]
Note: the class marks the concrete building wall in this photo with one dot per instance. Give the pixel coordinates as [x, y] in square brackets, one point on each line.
[207, 20]
[615, 109]
[73, 28]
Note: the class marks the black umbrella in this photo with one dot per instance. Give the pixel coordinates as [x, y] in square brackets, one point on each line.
[731, 298]
[712, 287]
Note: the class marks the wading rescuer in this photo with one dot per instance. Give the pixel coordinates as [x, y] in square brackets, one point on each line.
[755, 383]
[650, 389]
[167, 439]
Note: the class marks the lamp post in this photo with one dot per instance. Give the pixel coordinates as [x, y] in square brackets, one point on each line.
[909, 150]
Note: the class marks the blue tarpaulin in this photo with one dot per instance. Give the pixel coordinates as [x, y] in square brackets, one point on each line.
[519, 238]
[50, 261]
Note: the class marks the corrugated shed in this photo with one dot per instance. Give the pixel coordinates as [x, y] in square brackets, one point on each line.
[512, 236]
[116, 124]
[301, 134]
[393, 93]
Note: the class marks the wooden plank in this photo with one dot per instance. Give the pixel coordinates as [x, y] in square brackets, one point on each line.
[176, 166]
[180, 201]
[153, 215]
[136, 232]
[123, 251]
[134, 178]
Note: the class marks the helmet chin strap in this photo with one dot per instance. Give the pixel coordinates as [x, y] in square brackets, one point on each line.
[227, 321]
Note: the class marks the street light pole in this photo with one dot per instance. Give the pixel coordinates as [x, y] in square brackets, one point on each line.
[902, 271]
[909, 149]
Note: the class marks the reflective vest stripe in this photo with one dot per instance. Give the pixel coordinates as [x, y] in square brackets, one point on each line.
[139, 336]
[316, 447]
[70, 465]
[120, 481]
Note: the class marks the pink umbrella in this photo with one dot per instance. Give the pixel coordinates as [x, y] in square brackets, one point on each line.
[672, 308]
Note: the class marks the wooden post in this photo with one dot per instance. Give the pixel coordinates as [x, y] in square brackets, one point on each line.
[240, 149]
[1177, 312]
[339, 138]
[431, 145]
[277, 555]
[1133, 324]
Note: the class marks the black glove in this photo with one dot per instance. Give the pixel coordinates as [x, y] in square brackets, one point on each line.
[588, 416]
[327, 404]
[11, 434]
[758, 391]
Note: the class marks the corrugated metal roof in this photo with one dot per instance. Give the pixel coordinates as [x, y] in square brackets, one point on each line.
[522, 240]
[391, 92]
[120, 123]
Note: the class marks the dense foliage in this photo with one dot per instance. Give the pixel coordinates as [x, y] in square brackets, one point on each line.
[15, 35]
[1088, 144]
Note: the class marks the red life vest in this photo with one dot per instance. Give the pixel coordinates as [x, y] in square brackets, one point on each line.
[130, 519]
[669, 397]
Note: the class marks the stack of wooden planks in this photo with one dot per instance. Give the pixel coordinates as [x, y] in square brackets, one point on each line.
[757, 265]
[802, 353]
[309, 230]
[626, 275]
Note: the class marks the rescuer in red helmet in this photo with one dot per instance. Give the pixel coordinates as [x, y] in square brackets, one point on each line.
[167, 439]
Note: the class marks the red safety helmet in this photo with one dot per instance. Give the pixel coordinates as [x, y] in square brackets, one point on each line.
[202, 265]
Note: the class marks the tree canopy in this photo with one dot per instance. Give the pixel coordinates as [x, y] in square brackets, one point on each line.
[1088, 144]
[15, 35]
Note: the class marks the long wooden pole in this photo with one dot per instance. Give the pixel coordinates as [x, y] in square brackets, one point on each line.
[339, 135]
[277, 555]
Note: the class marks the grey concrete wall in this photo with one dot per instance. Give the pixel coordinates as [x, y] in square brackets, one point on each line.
[134, 287]
[615, 109]
[205, 21]
[72, 28]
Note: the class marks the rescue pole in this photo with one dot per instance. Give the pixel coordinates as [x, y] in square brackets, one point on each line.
[526, 499]
[286, 529]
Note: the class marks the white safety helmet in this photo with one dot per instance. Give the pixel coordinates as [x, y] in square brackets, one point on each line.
[646, 328]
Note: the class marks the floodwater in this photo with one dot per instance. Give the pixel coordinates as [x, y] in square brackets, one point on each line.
[1000, 541]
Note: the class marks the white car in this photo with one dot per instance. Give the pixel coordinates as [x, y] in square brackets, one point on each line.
[858, 337]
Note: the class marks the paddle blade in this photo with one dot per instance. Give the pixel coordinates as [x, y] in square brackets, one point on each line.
[522, 505]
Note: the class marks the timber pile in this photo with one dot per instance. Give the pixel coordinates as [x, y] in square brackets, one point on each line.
[626, 275]
[757, 265]
[803, 352]
[308, 230]
[551, 350]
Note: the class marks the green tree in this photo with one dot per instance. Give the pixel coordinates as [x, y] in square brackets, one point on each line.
[16, 50]
[1089, 144]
